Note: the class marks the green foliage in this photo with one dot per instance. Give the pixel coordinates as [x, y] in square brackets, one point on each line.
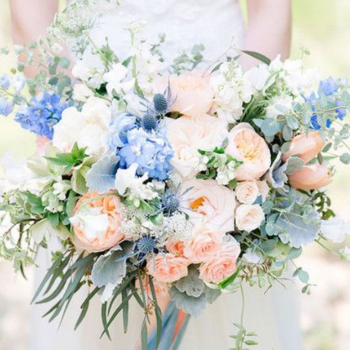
[188, 61]
[244, 340]
[69, 160]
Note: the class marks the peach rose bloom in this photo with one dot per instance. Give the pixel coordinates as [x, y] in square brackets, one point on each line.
[168, 268]
[307, 146]
[205, 243]
[176, 248]
[247, 192]
[205, 201]
[311, 177]
[192, 94]
[222, 265]
[249, 217]
[250, 148]
[96, 222]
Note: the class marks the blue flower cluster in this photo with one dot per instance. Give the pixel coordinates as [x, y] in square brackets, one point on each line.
[328, 88]
[149, 149]
[41, 115]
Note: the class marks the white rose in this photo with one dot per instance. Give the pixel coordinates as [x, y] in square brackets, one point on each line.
[249, 217]
[81, 93]
[81, 71]
[87, 128]
[247, 192]
[188, 135]
[207, 202]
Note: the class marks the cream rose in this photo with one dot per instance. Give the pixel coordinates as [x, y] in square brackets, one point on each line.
[250, 148]
[249, 217]
[188, 135]
[247, 192]
[206, 242]
[87, 128]
[192, 94]
[207, 202]
[168, 268]
[223, 264]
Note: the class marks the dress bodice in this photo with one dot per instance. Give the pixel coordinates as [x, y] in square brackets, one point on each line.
[213, 23]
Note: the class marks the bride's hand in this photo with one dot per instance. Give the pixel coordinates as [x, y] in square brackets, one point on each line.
[269, 29]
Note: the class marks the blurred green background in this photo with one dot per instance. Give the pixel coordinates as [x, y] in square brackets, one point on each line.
[321, 26]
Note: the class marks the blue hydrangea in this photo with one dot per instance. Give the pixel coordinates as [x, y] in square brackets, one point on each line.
[41, 115]
[328, 87]
[4, 82]
[151, 151]
[119, 128]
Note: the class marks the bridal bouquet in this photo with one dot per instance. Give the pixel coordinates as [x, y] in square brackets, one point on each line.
[181, 181]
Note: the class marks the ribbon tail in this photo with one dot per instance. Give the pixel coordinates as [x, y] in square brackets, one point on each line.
[174, 326]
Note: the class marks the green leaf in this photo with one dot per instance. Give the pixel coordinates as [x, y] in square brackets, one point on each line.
[125, 311]
[258, 56]
[47, 277]
[144, 335]
[303, 276]
[226, 282]
[345, 158]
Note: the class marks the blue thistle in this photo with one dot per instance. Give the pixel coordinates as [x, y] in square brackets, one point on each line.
[144, 247]
[160, 103]
[149, 122]
[170, 202]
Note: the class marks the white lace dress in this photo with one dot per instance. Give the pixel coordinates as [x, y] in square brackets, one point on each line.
[216, 24]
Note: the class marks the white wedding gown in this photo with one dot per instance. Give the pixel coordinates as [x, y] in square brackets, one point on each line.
[274, 316]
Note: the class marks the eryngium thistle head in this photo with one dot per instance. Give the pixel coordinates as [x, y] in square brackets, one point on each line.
[170, 202]
[149, 122]
[145, 245]
[160, 103]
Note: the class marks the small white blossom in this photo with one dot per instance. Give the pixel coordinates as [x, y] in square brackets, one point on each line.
[114, 79]
[231, 90]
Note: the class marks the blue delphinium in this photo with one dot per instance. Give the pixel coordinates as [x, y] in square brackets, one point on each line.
[151, 151]
[5, 107]
[4, 82]
[328, 88]
[41, 115]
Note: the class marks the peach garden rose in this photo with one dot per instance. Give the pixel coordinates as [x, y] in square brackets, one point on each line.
[311, 177]
[192, 94]
[96, 222]
[306, 146]
[206, 241]
[208, 202]
[247, 146]
[168, 267]
[223, 264]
